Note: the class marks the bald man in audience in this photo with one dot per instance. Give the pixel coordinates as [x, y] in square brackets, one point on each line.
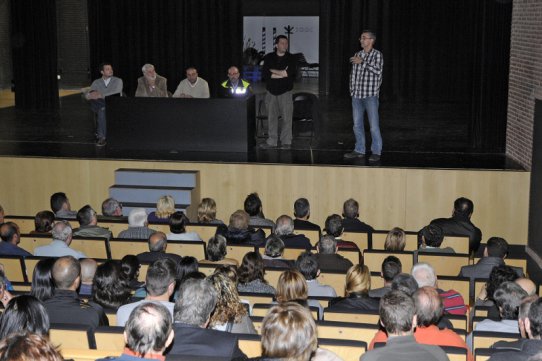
[65, 305]
[88, 270]
[11, 237]
[527, 285]
[157, 250]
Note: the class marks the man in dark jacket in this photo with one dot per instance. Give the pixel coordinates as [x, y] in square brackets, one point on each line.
[327, 257]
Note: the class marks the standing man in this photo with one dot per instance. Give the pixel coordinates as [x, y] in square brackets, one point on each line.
[151, 85]
[193, 86]
[365, 80]
[101, 88]
[234, 86]
[279, 71]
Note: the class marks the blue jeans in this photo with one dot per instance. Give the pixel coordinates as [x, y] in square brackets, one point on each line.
[359, 106]
[98, 107]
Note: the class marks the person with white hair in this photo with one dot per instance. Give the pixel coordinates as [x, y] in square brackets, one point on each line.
[60, 246]
[424, 274]
[137, 225]
[285, 230]
[151, 85]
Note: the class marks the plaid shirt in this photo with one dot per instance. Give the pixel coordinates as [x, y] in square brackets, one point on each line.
[365, 78]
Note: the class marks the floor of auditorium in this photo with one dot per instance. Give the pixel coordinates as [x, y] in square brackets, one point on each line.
[414, 135]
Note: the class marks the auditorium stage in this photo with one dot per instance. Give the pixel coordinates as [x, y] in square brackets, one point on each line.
[428, 136]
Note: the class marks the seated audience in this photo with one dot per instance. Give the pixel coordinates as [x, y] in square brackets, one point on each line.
[111, 208]
[157, 249]
[230, 314]
[88, 270]
[24, 313]
[193, 311]
[327, 257]
[302, 213]
[285, 230]
[130, 267]
[151, 85]
[160, 284]
[11, 237]
[148, 333]
[460, 224]
[351, 222]
[334, 227]
[395, 240]
[307, 265]
[28, 347]
[60, 246]
[391, 267]
[177, 226]
[273, 255]
[253, 206]
[292, 287]
[251, 275]
[398, 317]
[60, 205]
[110, 288]
[165, 207]
[42, 279]
[358, 284]
[65, 305]
[429, 310]
[498, 276]
[405, 283]
[453, 302]
[216, 252]
[137, 225]
[430, 238]
[207, 212]
[43, 222]
[193, 86]
[239, 232]
[88, 224]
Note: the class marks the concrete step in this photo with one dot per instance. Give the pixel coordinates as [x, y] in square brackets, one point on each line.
[149, 194]
[160, 178]
[149, 207]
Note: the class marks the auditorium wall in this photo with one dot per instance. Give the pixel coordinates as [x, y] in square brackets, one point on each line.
[408, 198]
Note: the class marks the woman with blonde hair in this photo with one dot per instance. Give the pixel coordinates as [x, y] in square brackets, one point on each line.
[230, 314]
[358, 284]
[395, 240]
[207, 212]
[292, 287]
[165, 207]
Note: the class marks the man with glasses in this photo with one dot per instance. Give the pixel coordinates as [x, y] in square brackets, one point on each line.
[365, 80]
[234, 86]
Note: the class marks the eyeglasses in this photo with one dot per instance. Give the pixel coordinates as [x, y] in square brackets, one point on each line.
[363, 38]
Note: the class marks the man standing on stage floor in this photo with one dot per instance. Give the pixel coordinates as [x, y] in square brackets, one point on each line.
[151, 85]
[365, 80]
[279, 72]
[101, 88]
[193, 86]
[234, 86]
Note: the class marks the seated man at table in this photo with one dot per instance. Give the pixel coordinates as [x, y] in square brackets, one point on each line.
[234, 86]
[193, 86]
[151, 85]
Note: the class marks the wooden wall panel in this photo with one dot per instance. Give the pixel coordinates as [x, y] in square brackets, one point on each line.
[408, 198]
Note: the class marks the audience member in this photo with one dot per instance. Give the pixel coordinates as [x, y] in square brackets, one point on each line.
[88, 224]
[111, 208]
[395, 240]
[327, 257]
[358, 284]
[60, 205]
[110, 288]
[398, 317]
[234, 86]
[307, 265]
[528, 286]
[302, 213]
[157, 249]
[452, 300]
[42, 279]
[11, 237]
[391, 267]
[405, 283]
[165, 207]
[160, 284]
[251, 275]
[216, 252]
[28, 347]
[65, 306]
[5, 295]
[60, 246]
[187, 266]
[351, 222]
[43, 222]
[193, 310]
[230, 314]
[239, 232]
[430, 239]
[193, 86]
[147, 334]
[292, 287]
[130, 267]
[460, 224]
[24, 313]
[177, 227]
[285, 230]
[137, 225]
[334, 227]
[273, 256]
[151, 85]
[498, 276]
[207, 212]
[253, 206]
[88, 270]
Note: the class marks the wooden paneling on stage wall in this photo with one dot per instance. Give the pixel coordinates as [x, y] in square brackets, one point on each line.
[388, 197]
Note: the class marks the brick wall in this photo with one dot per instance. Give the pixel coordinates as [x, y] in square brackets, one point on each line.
[525, 78]
[5, 46]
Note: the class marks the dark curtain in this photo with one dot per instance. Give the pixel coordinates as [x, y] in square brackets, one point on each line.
[434, 52]
[34, 53]
[171, 34]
